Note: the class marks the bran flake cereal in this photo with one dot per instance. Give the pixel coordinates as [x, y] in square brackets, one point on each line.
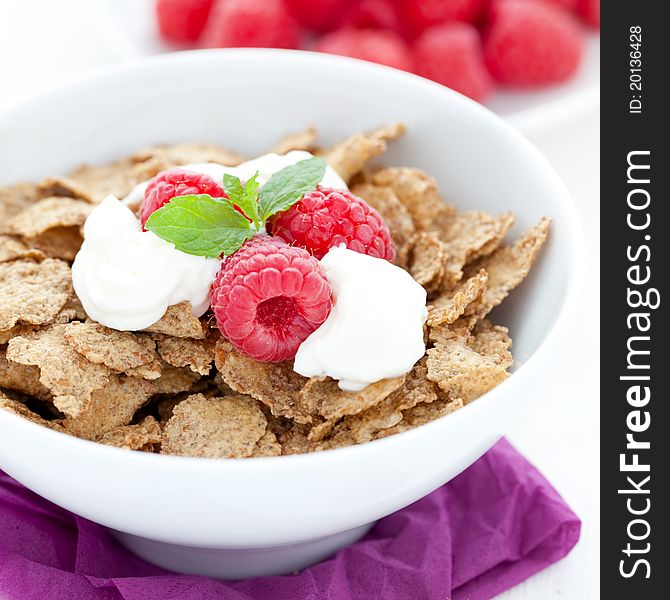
[121, 351]
[21, 378]
[351, 155]
[180, 387]
[32, 292]
[145, 436]
[274, 384]
[179, 321]
[172, 155]
[449, 306]
[228, 427]
[429, 257]
[395, 215]
[14, 199]
[63, 187]
[458, 369]
[323, 397]
[72, 310]
[472, 234]
[508, 267]
[185, 352]
[70, 377]
[109, 407]
[12, 248]
[19, 408]
[303, 140]
[419, 194]
[52, 225]
[267, 445]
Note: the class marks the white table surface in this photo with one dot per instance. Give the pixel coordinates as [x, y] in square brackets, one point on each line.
[560, 434]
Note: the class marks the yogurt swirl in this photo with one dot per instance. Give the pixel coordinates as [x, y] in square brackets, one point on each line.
[266, 165]
[375, 328]
[126, 278]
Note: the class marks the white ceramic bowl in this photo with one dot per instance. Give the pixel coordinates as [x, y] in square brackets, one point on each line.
[237, 518]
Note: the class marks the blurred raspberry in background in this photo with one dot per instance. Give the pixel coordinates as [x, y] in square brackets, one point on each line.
[182, 21]
[451, 54]
[468, 45]
[250, 24]
[376, 45]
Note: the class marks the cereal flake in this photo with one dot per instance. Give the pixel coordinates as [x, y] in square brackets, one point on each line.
[52, 225]
[179, 321]
[185, 352]
[449, 306]
[428, 259]
[32, 292]
[121, 351]
[419, 193]
[351, 155]
[63, 371]
[229, 427]
[507, 267]
[144, 436]
[276, 385]
[12, 249]
[395, 215]
[303, 140]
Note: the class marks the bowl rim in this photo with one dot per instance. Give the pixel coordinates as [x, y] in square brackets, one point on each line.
[574, 233]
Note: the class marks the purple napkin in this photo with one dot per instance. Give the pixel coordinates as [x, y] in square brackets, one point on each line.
[483, 532]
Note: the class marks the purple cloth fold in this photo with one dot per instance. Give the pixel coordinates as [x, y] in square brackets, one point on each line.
[483, 532]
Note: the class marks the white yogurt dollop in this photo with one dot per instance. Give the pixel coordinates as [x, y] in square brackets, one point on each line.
[375, 329]
[266, 165]
[126, 278]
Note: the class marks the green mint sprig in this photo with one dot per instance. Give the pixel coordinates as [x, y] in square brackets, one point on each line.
[290, 184]
[201, 225]
[204, 226]
[245, 197]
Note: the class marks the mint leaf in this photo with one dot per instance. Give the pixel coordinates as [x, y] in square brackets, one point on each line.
[245, 197]
[201, 225]
[287, 186]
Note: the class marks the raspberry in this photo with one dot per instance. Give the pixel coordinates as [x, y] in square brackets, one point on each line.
[319, 15]
[269, 297]
[176, 182]
[570, 5]
[250, 24]
[420, 14]
[328, 217]
[589, 11]
[372, 14]
[375, 45]
[451, 54]
[530, 43]
[182, 21]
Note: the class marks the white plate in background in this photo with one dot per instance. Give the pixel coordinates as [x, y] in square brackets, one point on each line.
[530, 111]
[94, 33]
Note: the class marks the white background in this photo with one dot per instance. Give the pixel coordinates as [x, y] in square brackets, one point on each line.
[45, 41]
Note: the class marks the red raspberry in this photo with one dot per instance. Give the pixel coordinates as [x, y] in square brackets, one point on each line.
[532, 43]
[182, 21]
[250, 24]
[176, 182]
[451, 54]
[328, 217]
[375, 45]
[420, 14]
[372, 14]
[269, 297]
[570, 5]
[589, 11]
[319, 15]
